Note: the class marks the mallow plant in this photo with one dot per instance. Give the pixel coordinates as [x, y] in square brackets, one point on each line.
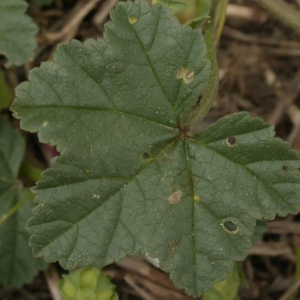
[134, 175]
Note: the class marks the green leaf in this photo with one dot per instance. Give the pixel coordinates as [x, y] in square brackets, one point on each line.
[130, 179]
[17, 32]
[17, 266]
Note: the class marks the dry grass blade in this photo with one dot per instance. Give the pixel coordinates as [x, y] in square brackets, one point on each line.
[52, 279]
[272, 249]
[69, 30]
[291, 290]
[102, 14]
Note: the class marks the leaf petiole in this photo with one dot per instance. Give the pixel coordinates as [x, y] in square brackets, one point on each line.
[220, 20]
[198, 114]
[15, 208]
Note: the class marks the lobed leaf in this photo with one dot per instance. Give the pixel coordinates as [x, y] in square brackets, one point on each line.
[17, 265]
[17, 32]
[130, 179]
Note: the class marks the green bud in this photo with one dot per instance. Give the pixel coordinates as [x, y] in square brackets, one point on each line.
[88, 278]
[87, 284]
[68, 289]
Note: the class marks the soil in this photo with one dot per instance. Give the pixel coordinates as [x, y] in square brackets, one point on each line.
[259, 71]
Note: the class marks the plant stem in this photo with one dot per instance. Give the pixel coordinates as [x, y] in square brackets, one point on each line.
[198, 114]
[282, 11]
[30, 171]
[15, 208]
[221, 19]
[297, 271]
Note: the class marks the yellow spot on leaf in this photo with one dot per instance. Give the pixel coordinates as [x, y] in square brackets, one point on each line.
[132, 20]
[196, 198]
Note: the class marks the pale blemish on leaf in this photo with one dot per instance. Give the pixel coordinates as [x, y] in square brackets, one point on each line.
[180, 72]
[186, 75]
[45, 124]
[197, 198]
[132, 20]
[175, 197]
[189, 77]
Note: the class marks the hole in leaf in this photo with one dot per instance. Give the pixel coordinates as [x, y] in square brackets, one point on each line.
[230, 227]
[231, 141]
[145, 157]
[132, 20]
[175, 197]
[284, 168]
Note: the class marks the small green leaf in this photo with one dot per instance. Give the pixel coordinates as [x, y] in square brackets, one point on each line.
[130, 178]
[17, 265]
[204, 8]
[17, 32]
[173, 5]
[193, 13]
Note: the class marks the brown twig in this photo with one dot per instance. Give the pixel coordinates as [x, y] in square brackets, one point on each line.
[52, 279]
[132, 282]
[79, 12]
[291, 290]
[246, 13]
[273, 249]
[254, 39]
[283, 227]
[285, 99]
[104, 11]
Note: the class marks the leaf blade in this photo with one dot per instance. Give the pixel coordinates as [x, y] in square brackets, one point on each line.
[17, 263]
[17, 32]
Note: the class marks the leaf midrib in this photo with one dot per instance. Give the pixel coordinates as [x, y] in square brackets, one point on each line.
[90, 108]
